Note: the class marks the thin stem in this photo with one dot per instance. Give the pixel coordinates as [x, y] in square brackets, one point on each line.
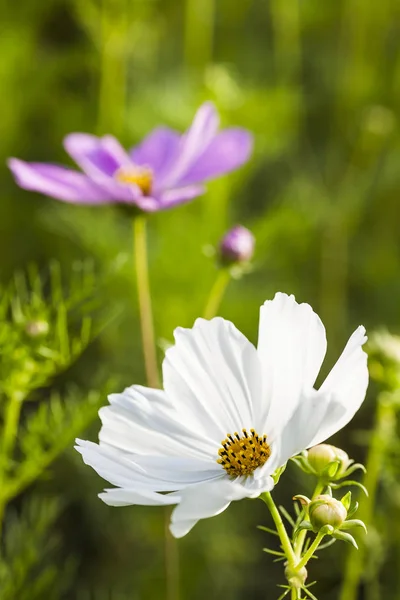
[384, 430]
[217, 293]
[171, 559]
[310, 552]
[280, 527]
[11, 422]
[113, 67]
[301, 538]
[145, 310]
[199, 32]
[10, 426]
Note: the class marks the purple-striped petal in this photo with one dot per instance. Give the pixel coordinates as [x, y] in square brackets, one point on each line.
[156, 150]
[100, 158]
[192, 144]
[227, 151]
[57, 182]
[177, 196]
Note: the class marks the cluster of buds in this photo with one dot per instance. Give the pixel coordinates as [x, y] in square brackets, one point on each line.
[330, 465]
[328, 516]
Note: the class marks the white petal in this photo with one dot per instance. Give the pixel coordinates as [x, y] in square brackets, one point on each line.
[203, 501]
[314, 411]
[213, 377]
[346, 385]
[140, 496]
[291, 347]
[143, 421]
[159, 474]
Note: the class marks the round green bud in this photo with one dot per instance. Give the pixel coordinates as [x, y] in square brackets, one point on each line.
[319, 457]
[296, 578]
[325, 510]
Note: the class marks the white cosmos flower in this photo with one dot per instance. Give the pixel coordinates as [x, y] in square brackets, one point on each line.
[229, 415]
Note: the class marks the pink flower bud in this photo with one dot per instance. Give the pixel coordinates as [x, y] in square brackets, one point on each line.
[236, 246]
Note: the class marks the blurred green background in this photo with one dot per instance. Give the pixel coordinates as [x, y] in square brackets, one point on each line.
[319, 85]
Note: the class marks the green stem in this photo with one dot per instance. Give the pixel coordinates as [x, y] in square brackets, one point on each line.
[217, 293]
[150, 360]
[145, 310]
[384, 430]
[334, 275]
[310, 552]
[171, 559]
[112, 91]
[301, 538]
[199, 32]
[10, 426]
[280, 527]
[11, 422]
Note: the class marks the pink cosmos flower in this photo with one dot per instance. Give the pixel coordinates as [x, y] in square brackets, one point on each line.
[165, 170]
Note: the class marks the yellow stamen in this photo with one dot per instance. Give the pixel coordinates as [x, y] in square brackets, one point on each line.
[242, 454]
[140, 176]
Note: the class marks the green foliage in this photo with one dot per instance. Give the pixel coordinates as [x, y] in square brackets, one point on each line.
[27, 569]
[44, 327]
[50, 429]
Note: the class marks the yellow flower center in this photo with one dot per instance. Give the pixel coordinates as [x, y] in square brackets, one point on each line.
[140, 176]
[241, 455]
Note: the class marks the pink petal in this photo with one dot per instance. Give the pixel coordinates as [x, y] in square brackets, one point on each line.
[57, 182]
[192, 144]
[226, 152]
[157, 149]
[100, 158]
[177, 196]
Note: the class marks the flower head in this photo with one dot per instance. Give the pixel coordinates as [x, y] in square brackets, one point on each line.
[230, 415]
[166, 169]
[237, 246]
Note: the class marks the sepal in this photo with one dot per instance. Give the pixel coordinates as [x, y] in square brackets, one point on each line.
[351, 523]
[277, 474]
[345, 537]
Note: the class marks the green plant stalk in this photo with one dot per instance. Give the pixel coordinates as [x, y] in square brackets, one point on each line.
[112, 87]
[334, 275]
[384, 429]
[150, 360]
[301, 538]
[144, 296]
[310, 552]
[217, 293]
[11, 422]
[199, 32]
[286, 23]
[280, 528]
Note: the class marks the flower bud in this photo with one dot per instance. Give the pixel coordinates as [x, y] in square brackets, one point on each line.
[321, 456]
[37, 328]
[296, 578]
[237, 246]
[325, 510]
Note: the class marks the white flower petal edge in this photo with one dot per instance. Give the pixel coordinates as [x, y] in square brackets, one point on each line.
[346, 385]
[291, 347]
[161, 447]
[208, 500]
